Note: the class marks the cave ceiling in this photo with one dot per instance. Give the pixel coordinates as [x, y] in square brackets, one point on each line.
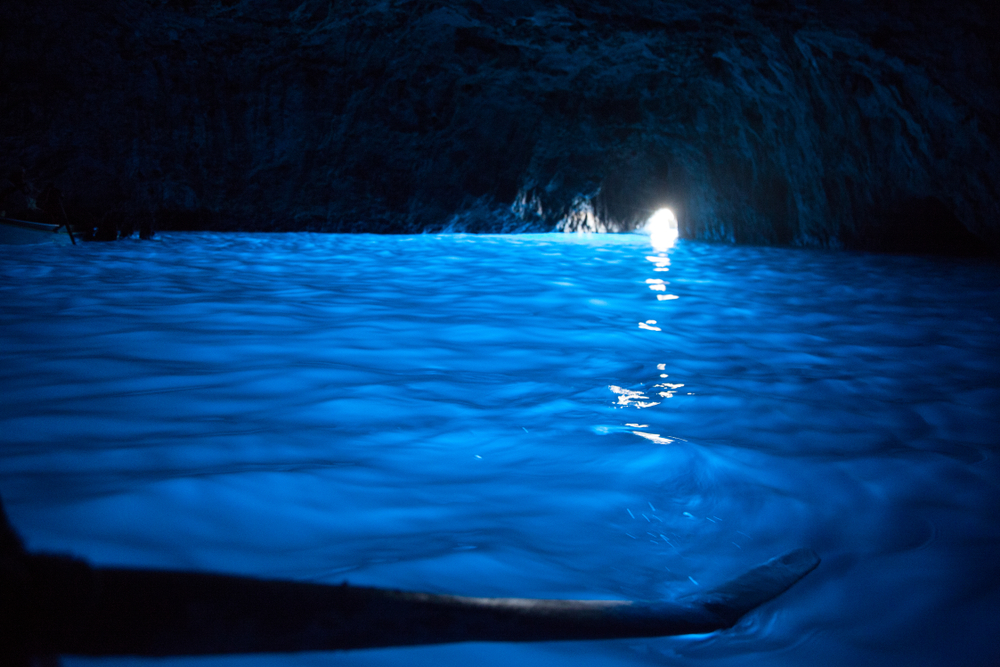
[869, 125]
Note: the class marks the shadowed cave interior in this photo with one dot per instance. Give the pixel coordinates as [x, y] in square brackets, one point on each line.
[832, 124]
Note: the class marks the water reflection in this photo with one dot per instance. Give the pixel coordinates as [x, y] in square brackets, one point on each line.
[639, 399]
[662, 228]
[628, 397]
[662, 262]
[655, 437]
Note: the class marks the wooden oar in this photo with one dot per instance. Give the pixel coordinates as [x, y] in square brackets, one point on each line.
[61, 605]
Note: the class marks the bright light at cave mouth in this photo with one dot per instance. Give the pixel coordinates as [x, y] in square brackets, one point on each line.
[662, 229]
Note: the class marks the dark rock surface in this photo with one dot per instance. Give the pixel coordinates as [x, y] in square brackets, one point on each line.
[826, 123]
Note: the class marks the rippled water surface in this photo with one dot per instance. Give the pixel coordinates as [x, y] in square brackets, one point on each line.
[531, 416]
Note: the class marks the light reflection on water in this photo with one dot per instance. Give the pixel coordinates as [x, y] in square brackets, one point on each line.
[522, 416]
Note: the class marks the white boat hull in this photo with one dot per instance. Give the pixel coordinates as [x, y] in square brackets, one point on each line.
[22, 232]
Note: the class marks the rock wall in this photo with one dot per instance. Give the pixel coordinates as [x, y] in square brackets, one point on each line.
[827, 123]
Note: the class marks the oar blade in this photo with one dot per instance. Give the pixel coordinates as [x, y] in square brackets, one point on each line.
[763, 583]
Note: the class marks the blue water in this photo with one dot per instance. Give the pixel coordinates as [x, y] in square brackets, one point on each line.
[531, 416]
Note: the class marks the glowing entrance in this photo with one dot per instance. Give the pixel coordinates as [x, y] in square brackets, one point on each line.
[662, 229]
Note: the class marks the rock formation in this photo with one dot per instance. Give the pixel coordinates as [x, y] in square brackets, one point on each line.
[806, 122]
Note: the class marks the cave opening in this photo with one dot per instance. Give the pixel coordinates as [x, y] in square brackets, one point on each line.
[662, 229]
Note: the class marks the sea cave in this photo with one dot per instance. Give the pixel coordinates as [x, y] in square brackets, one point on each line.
[562, 318]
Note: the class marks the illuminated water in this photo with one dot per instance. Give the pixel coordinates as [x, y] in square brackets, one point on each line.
[486, 416]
